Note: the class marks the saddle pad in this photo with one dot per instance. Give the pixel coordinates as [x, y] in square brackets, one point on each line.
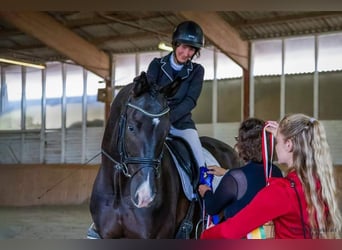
[185, 179]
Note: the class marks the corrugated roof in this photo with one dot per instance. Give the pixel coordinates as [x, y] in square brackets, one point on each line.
[121, 32]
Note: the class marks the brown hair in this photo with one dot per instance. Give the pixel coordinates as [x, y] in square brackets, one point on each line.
[249, 140]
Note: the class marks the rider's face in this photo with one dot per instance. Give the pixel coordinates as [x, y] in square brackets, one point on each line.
[184, 53]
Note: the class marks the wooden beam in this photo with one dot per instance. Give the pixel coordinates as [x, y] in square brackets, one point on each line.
[221, 34]
[55, 35]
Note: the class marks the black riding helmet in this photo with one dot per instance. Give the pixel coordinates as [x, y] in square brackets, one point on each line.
[190, 33]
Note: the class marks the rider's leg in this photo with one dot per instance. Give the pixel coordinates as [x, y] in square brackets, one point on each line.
[192, 138]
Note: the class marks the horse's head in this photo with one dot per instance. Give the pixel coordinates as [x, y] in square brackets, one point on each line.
[144, 125]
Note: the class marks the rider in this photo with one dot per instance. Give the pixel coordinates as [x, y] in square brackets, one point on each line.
[187, 41]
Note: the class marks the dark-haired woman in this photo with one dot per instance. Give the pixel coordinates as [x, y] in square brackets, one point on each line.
[238, 186]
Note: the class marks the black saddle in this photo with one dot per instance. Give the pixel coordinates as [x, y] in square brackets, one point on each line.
[184, 155]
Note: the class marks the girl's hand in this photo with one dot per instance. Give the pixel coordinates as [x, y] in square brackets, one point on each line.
[272, 127]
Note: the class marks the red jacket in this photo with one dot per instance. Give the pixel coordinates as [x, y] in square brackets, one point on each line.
[278, 202]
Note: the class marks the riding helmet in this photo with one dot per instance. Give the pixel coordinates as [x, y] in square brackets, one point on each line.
[190, 33]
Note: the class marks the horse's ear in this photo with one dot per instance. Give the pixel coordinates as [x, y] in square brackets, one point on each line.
[171, 89]
[141, 84]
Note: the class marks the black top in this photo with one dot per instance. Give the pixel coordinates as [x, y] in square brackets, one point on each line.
[237, 188]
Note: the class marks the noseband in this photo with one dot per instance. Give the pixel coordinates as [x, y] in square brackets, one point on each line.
[124, 158]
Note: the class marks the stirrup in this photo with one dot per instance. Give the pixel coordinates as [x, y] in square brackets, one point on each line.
[92, 233]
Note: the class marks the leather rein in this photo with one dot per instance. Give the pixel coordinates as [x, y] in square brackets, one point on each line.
[124, 158]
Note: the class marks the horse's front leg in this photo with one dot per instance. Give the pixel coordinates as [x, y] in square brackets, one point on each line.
[105, 216]
[146, 223]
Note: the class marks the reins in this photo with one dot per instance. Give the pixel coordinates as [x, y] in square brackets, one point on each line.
[124, 158]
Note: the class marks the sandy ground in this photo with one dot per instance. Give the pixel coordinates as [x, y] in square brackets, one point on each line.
[44, 222]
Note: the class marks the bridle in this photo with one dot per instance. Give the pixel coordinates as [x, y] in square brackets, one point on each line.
[124, 158]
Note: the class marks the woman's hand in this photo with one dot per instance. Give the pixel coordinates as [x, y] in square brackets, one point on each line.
[216, 170]
[202, 189]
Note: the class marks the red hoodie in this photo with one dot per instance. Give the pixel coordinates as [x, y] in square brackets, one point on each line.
[278, 202]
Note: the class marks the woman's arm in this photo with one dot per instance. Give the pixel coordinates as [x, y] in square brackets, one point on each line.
[224, 194]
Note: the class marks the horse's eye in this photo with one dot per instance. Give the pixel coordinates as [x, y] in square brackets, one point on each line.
[130, 128]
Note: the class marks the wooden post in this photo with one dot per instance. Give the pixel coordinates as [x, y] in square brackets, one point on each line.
[245, 94]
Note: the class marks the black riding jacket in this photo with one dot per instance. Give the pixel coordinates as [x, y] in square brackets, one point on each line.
[182, 103]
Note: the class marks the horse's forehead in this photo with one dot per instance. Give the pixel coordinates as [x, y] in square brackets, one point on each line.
[149, 102]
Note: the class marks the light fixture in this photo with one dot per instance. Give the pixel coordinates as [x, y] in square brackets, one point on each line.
[163, 46]
[38, 66]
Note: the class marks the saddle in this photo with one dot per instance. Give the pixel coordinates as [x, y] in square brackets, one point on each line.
[185, 162]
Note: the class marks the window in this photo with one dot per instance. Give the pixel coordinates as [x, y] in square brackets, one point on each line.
[145, 60]
[330, 51]
[11, 91]
[206, 60]
[299, 58]
[33, 99]
[299, 55]
[227, 68]
[95, 109]
[267, 57]
[53, 96]
[74, 94]
[124, 69]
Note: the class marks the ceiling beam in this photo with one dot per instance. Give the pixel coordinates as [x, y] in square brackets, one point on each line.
[55, 35]
[222, 35]
[98, 41]
[82, 19]
[126, 37]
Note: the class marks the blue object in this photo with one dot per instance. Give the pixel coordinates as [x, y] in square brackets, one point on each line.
[205, 178]
[215, 219]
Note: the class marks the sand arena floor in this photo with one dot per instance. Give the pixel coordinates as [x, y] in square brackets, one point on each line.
[44, 222]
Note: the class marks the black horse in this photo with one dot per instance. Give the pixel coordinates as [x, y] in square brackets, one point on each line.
[137, 192]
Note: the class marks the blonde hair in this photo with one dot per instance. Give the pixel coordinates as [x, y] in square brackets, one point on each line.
[312, 162]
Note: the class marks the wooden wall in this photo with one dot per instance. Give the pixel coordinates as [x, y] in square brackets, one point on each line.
[53, 184]
[65, 184]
